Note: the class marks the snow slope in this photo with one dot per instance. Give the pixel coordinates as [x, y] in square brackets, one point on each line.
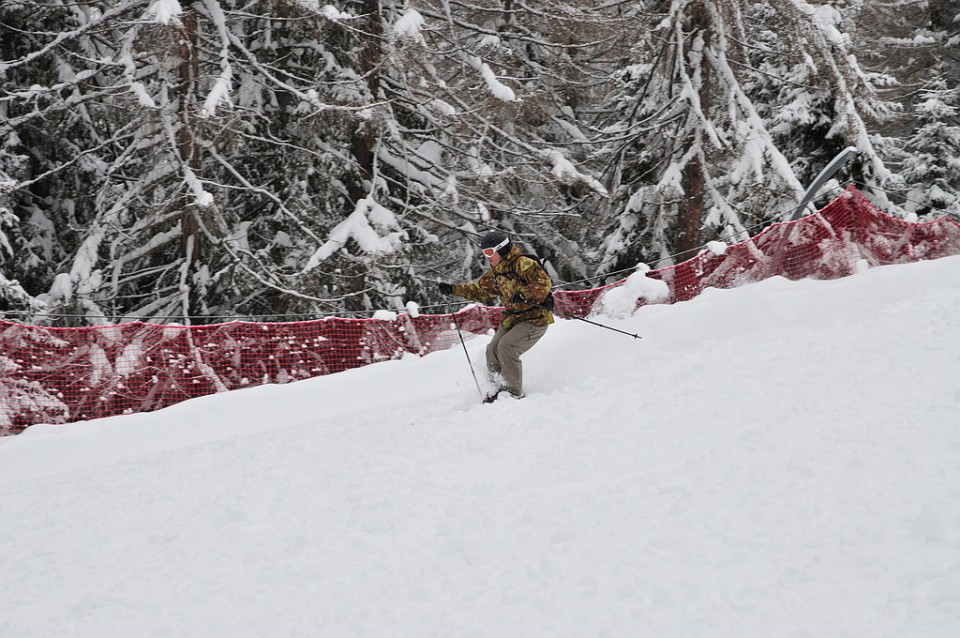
[777, 460]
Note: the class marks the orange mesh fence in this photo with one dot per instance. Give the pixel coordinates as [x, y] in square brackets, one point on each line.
[59, 375]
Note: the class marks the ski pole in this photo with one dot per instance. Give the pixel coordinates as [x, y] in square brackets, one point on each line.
[464, 344]
[592, 323]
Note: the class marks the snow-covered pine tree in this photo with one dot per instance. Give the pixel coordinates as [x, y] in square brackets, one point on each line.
[484, 125]
[286, 230]
[926, 50]
[725, 108]
[932, 166]
[285, 156]
[56, 129]
[195, 167]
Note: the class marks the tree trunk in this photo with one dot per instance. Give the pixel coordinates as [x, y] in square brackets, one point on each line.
[364, 137]
[691, 212]
[191, 243]
[363, 142]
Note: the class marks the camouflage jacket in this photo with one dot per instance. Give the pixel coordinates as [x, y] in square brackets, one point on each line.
[515, 273]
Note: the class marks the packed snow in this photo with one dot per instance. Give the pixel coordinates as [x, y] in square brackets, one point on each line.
[782, 459]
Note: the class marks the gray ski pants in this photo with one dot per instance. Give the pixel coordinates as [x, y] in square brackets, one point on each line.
[504, 350]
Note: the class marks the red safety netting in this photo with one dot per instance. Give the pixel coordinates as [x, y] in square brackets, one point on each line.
[59, 375]
[828, 245]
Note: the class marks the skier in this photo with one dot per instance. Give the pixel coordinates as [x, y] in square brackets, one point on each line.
[522, 285]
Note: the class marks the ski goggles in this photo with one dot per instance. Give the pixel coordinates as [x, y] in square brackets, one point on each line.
[490, 252]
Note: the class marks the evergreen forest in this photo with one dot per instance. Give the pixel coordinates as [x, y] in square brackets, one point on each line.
[196, 161]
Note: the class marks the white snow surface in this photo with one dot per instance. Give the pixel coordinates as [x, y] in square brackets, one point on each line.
[717, 248]
[782, 459]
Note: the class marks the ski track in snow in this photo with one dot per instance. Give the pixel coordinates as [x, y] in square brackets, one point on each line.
[777, 460]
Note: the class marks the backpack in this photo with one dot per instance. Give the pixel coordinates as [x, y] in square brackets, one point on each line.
[549, 302]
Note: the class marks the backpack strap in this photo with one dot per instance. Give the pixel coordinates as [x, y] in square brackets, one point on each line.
[549, 302]
[512, 272]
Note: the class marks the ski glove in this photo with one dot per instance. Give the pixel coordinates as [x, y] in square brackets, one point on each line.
[445, 288]
[518, 298]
